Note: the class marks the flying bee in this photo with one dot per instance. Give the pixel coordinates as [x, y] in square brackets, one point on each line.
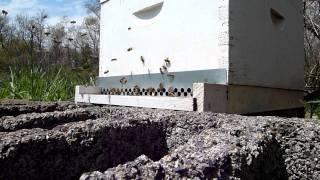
[167, 61]
[129, 28]
[142, 59]
[106, 72]
[123, 81]
[161, 71]
[149, 73]
[164, 68]
[130, 49]
[114, 59]
[5, 13]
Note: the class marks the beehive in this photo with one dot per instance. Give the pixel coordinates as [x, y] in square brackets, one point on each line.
[237, 56]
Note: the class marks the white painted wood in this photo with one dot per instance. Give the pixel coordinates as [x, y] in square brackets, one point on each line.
[251, 99]
[210, 97]
[206, 97]
[88, 90]
[200, 35]
[174, 103]
[244, 99]
[261, 53]
[192, 34]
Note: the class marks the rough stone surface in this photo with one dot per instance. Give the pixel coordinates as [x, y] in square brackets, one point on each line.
[50, 119]
[17, 108]
[108, 142]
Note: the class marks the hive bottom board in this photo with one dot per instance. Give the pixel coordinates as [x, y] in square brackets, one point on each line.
[206, 97]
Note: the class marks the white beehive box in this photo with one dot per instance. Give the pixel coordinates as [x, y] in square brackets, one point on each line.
[247, 54]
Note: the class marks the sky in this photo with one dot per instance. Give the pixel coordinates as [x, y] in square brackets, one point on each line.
[56, 9]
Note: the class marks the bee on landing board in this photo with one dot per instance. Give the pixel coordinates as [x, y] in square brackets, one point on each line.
[161, 87]
[171, 92]
[136, 90]
[151, 91]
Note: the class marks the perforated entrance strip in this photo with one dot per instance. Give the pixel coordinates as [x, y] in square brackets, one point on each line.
[171, 92]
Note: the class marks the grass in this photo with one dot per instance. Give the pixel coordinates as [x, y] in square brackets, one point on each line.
[39, 84]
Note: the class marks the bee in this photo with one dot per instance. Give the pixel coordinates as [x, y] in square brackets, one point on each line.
[161, 87]
[114, 59]
[136, 90]
[113, 91]
[165, 68]
[151, 91]
[106, 72]
[167, 61]
[142, 59]
[161, 71]
[149, 73]
[171, 92]
[130, 49]
[129, 28]
[123, 81]
[118, 92]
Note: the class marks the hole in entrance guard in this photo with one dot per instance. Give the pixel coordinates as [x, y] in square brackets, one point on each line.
[277, 19]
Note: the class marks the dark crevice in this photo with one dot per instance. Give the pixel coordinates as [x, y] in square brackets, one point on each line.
[68, 157]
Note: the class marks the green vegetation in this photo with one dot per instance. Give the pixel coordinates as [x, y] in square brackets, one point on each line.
[43, 62]
[39, 84]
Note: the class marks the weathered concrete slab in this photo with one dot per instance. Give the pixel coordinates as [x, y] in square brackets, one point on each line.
[137, 143]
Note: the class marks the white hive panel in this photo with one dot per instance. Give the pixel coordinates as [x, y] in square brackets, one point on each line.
[192, 35]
